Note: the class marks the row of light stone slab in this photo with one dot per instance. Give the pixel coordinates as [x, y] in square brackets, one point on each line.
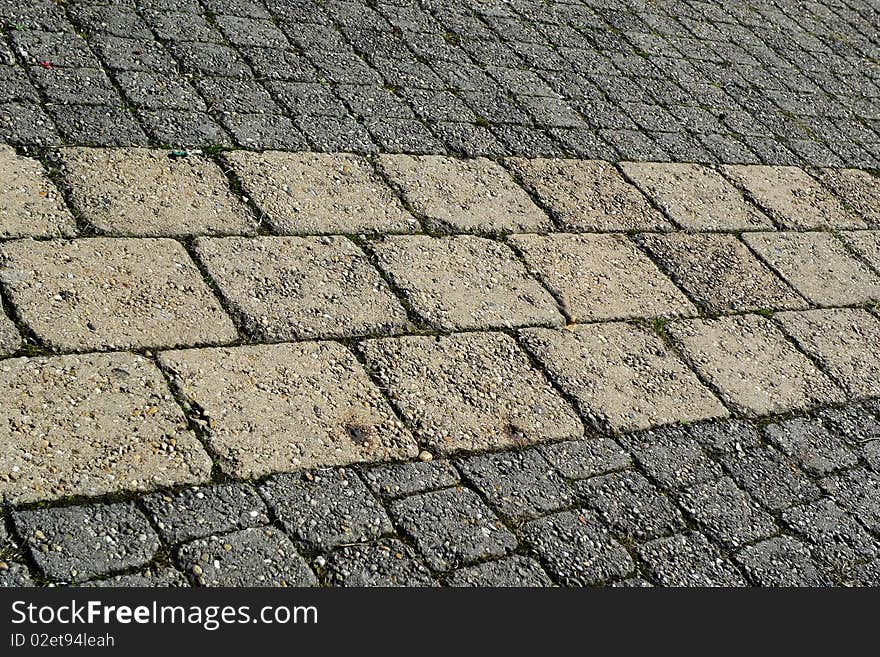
[194, 396]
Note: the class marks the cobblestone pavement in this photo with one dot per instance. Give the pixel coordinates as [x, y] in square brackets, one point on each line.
[261, 323]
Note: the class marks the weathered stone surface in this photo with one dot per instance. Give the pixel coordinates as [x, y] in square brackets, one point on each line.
[866, 243]
[811, 444]
[443, 282]
[515, 571]
[30, 206]
[384, 563]
[755, 369]
[10, 339]
[107, 293]
[780, 561]
[143, 192]
[469, 391]
[277, 408]
[818, 266]
[579, 459]
[859, 190]
[91, 425]
[622, 376]
[688, 560]
[836, 537]
[309, 193]
[695, 196]
[771, 480]
[671, 456]
[599, 277]
[161, 577]
[399, 479]
[463, 195]
[587, 194]
[288, 288]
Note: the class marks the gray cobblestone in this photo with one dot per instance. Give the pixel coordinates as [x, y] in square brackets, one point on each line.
[857, 491]
[811, 444]
[400, 479]
[780, 561]
[671, 456]
[771, 479]
[837, 538]
[688, 560]
[386, 563]
[162, 577]
[515, 571]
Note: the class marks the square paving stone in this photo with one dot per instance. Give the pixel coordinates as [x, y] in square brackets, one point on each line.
[92, 425]
[463, 195]
[688, 560]
[403, 136]
[726, 513]
[154, 91]
[866, 243]
[498, 399]
[857, 491]
[719, 272]
[277, 408]
[816, 448]
[622, 376]
[631, 505]
[726, 437]
[132, 54]
[587, 194]
[577, 549]
[517, 484]
[288, 288]
[465, 282]
[792, 197]
[107, 293]
[672, 457]
[780, 561]
[30, 206]
[159, 577]
[859, 190]
[751, 364]
[837, 538]
[385, 563]
[513, 572]
[859, 426]
[143, 192]
[200, 512]
[330, 134]
[264, 131]
[326, 508]
[845, 340]
[399, 479]
[818, 266]
[232, 95]
[76, 543]
[320, 193]
[26, 123]
[183, 128]
[251, 557]
[772, 480]
[579, 459]
[96, 125]
[598, 277]
[57, 49]
[695, 196]
[452, 528]
[84, 86]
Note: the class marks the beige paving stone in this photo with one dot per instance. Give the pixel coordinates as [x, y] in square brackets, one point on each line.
[320, 193]
[601, 276]
[465, 282]
[695, 196]
[464, 195]
[866, 243]
[859, 190]
[754, 368]
[10, 340]
[277, 408]
[469, 391]
[793, 197]
[622, 376]
[111, 293]
[147, 193]
[818, 266]
[30, 206]
[287, 288]
[845, 340]
[719, 272]
[588, 194]
[91, 425]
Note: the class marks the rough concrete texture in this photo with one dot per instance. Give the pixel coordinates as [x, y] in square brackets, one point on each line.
[469, 391]
[515, 571]
[793, 197]
[91, 425]
[751, 364]
[622, 376]
[865, 243]
[845, 340]
[440, 281]
[600, 277]
[10, 339]
[107, 293]
[277, 408]
[288, 288]
[860, 190]
[30, 206]
[780, 561]
[144, 192]
[688, 560]
[463, 195]
[318, 193]
[818, 266]
[719, 272]
[384, 563]
[696, 197]
[587, 195]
